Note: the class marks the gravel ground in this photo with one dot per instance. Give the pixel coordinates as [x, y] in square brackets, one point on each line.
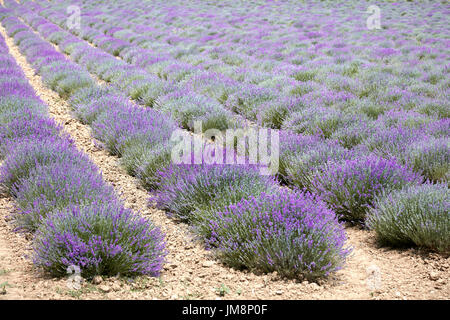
[191, 272]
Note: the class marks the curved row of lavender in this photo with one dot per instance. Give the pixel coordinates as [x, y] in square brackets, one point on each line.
[60, 195]
[307, 243]
[357, 102]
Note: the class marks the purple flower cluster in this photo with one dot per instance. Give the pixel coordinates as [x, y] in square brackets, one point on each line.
[417, 215]
[350, 186]
[317, 121]
[294, 234]
[54, 187]
[302, 165]
[101, 239]
[186, 188]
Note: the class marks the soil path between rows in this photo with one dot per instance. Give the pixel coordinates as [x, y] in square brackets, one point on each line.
[191, 272]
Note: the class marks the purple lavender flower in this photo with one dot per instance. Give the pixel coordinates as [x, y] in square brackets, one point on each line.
[101, 239]
[292, 233]
[349, 186]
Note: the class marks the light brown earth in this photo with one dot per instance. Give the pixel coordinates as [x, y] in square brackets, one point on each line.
[191, 273]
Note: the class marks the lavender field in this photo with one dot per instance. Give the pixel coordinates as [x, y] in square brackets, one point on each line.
[225, 149]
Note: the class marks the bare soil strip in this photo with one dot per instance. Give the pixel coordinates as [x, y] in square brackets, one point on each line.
[191, 273]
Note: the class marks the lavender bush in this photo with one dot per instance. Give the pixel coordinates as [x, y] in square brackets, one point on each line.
[186, 188]
[14, 106]
[301, 167]
[317, 121]
[145, 160]
[186, 108]
[101, 239]
[350, 186]
[53, 187]
[61, 78]
[354, 134]
[249, 100]
[88, 112]
[22, 127]
[431, 157]
[28, 155]
[415, 215]
[292, 233]
[291, 145]
[119, 127]
[274, 113]
[57, 189]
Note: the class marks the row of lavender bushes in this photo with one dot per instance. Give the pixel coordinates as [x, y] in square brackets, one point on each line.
[349, 179]
[140, 137]
[60, 195]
